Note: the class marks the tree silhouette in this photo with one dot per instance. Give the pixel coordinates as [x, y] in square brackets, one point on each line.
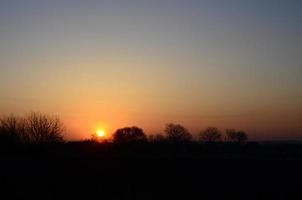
[44, 129]
[236, 136]
[210, 134]
[177, 133]
[129, 135]
[12, 129]
[33, 128]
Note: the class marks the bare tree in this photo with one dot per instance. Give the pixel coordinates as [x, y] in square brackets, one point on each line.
[33, 128]
[210, 134]
[12, 129]
[236, 136]
[177, 133]
[44, 129]
[129, 134]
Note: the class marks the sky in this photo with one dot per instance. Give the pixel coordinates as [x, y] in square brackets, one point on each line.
[109, 64]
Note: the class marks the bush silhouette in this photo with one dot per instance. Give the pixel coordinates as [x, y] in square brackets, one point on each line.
[129, 135]
[210, 134]
[177, 133]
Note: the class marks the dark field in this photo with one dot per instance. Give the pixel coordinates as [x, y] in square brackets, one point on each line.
[152, 171]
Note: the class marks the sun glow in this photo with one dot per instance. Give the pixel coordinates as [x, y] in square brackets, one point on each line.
[100, 133]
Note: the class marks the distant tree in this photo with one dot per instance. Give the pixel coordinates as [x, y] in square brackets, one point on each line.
[44, 129]
[157, 138]
[230, 133]
[129, 135]
[97, 139]
[177, 133]
[236, 136]
[210, 134]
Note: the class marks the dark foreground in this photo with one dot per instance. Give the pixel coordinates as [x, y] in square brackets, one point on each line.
[91, 171]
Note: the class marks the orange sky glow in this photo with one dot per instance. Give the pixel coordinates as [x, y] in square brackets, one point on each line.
[111, 64]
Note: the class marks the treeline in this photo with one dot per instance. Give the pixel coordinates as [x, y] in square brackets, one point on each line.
[37, 133]
[37, 128]
[176, 133]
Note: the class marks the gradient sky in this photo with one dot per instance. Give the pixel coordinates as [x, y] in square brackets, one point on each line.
[109, 64]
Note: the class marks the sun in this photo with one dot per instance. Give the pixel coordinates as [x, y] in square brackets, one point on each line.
[100, 133]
